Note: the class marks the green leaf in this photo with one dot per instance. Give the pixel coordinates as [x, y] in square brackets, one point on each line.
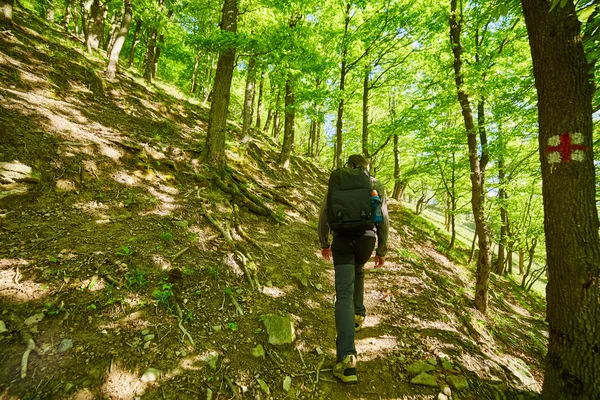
[586, 13]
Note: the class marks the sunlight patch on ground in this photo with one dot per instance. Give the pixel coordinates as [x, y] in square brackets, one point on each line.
[161, 262]
[273, 291]
[22, 291]
[375, 347]
[122, 384]
[110, 151]
[125, 178]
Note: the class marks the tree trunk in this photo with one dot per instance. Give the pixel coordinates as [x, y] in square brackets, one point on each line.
[288, 132]
[50, 10]
[503, 217]
[477, 183]
[6, 11]
[113, 61]
[259, 106]
[86, 9]
[337, 159]
[68, 11]
[521, 261]
[365, 115]
[248, 100]
[268, 122]
[135, 41]
[194, 84]
[96, 26]
[149, 58]
[318, 138]
[564, 82]
[453, 201]
[214, 150]
[397, 181]
[114, 28]
[277, 119]
[472, 254]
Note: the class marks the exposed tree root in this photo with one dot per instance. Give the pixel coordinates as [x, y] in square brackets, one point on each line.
[180, 324]
[30, 346]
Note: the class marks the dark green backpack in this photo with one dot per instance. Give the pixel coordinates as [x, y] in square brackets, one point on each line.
[349, 201]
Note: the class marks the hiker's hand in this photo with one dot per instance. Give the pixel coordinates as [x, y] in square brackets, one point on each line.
[379, 261]
[326, 253]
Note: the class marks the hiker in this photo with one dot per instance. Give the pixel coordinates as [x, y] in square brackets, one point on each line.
[355, 210]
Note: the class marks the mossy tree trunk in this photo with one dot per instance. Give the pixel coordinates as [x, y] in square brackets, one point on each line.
[249, 100]
[214, 150]
[113, 60]
[564, 82]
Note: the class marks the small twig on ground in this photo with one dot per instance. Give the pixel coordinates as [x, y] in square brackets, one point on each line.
[319, 366]
[180, 325]
[176, 256]
[238, 308]
[231, 386]
[301, 358]
[16, 279]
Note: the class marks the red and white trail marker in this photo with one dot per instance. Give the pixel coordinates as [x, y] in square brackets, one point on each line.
[566, 148]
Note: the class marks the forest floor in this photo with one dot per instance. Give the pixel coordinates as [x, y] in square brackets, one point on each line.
[110, 265]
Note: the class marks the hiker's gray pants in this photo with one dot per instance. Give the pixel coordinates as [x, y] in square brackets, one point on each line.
[350, 253]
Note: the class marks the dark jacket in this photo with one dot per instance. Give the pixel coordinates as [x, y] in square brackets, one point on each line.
[381, 229]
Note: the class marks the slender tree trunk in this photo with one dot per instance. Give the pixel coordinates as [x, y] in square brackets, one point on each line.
[114, 28]
[503, 217]
[477, 183]
[96, 25]
[318, 138]
[149, 58]
[6, 11]
[157, 52]
[86, 10]
[135, 41]
[453, 201]
[113, 61]
[288, 132]
[277, 119]
[340, 114]
[564, 82]
[214, 150]
[365, 115]
[249, 100]
[521, 261]
[268, 122]
[259, 106]
[67, 19]
[50, 11]
[194, 84]
[397, 180]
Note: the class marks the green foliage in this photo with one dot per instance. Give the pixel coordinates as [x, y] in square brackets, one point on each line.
[163, 296]
[124, 251]
[232, 325]
[52, 309]
[135, 280]
[166, 236]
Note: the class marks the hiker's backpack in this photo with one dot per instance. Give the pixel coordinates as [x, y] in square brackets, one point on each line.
[349, 201]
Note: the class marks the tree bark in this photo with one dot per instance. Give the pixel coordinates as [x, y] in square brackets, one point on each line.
[86, 9]
[503, 217]
[96, 25]
[6, 11]
[214, 150]
[477, 183]
[288, 131]
[114, 28]
[259, 106]
[249, 100]
[194, 84]
[149, 58]
[113, 61]
[135, 41]
[50, 11]
[564, 82]
[277, 119]
[268, 122]
[397, 179]
[365, 115]
[340, 114]
[68, 11]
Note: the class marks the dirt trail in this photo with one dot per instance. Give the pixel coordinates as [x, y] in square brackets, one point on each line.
[107, 261]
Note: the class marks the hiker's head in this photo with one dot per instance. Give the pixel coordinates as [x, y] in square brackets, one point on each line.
[356, 160]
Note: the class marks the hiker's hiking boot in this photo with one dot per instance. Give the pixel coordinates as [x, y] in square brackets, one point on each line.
[359, 320]
[346, 369]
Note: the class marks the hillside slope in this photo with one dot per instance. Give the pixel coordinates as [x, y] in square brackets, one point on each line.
[136, 273]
